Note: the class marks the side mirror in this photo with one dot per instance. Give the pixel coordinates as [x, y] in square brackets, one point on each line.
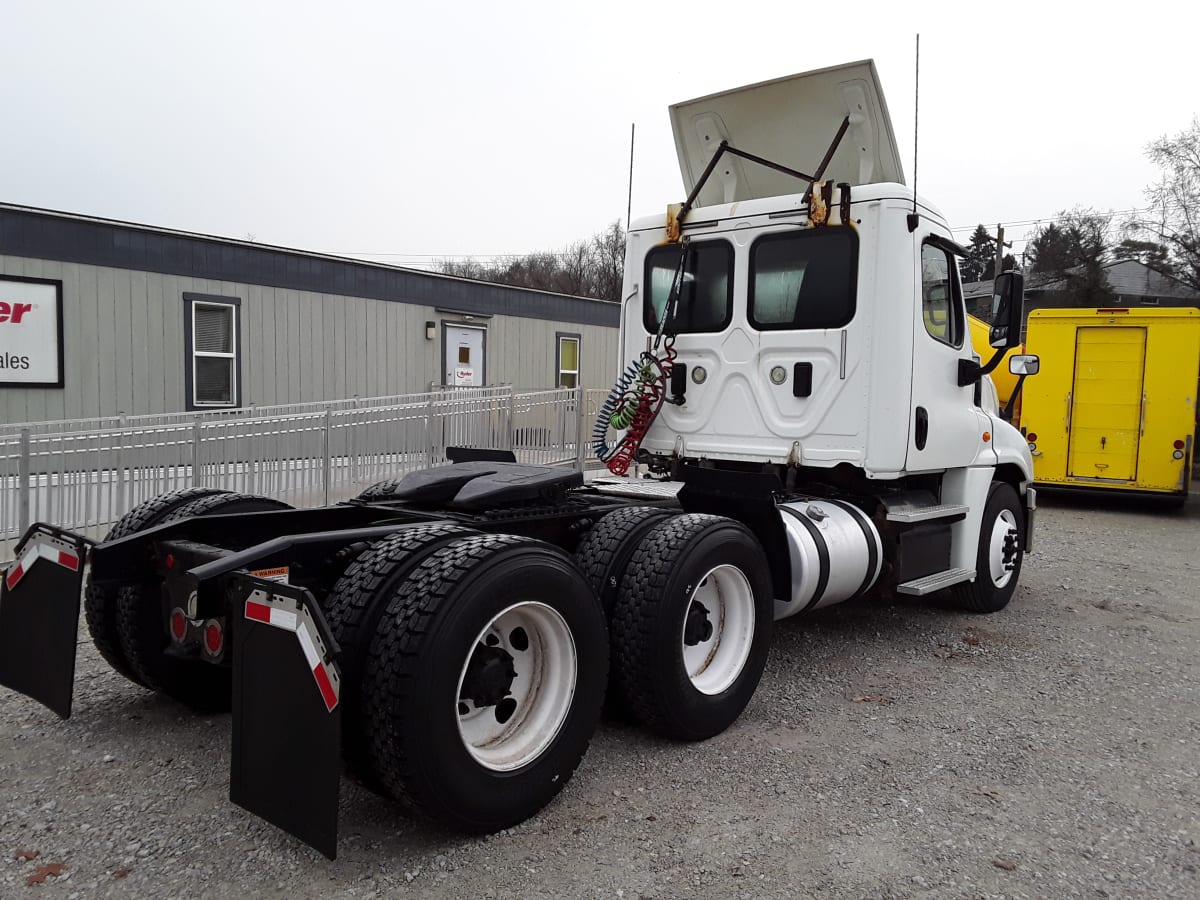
[1008, 307]
[1024, 364]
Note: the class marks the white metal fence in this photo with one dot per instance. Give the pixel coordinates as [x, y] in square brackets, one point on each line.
[84, 475]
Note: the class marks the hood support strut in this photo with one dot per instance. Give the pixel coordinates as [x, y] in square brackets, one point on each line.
[675, 222]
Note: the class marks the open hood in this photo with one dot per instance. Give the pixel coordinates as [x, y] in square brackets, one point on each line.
[790, 121]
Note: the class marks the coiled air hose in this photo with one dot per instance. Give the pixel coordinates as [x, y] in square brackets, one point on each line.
[635, 400]
[631, 406]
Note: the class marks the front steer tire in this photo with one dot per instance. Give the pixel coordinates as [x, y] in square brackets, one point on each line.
[1002, 513]
[654, 622]
[420, 661]
[142, 624]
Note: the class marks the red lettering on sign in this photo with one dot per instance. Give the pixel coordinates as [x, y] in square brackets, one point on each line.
[12, 312]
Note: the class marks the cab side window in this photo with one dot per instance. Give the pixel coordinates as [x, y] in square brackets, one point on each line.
[941, 296]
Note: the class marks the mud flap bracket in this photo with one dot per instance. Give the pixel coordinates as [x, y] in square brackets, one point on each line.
[39, 616]
[287, 715]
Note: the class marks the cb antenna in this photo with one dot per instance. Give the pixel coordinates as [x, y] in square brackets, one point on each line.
[913, 217]
[629, 200]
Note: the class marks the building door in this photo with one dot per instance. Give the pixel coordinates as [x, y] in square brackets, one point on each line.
[462, 354]
[1106, 403]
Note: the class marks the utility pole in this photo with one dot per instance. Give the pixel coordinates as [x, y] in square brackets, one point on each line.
[998, 240]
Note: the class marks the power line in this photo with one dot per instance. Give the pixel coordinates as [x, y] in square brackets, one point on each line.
[1066, 217]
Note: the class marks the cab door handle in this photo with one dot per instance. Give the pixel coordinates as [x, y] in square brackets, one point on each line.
[921, 428]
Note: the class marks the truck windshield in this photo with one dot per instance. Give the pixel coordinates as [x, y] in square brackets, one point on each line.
[803, 279]
[706, 295]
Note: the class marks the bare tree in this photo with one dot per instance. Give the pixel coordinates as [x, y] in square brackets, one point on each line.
[608, 258]
[575, 270]
[586, 268]
[1173, 219]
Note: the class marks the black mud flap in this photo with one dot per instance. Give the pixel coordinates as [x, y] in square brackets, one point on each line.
[287, 718]
[39, 616]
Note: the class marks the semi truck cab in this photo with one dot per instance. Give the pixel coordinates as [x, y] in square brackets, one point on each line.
[815, 327]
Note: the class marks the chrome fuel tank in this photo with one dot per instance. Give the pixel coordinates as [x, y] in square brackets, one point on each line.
[835, 552]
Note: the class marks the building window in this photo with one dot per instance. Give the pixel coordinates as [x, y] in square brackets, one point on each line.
[941, 296]
[211, 334]
[568, 361]
[1149, 301]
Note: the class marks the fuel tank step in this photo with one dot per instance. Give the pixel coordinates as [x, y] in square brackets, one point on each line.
[919, 587]
[909, 514]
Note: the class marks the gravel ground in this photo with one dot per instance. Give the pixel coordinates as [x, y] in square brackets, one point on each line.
[891, 751]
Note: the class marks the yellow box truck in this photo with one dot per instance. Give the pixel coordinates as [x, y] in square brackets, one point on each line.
[1114, 405]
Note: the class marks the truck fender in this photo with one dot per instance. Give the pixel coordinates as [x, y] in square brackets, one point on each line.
[968, 487]
[1010, 448]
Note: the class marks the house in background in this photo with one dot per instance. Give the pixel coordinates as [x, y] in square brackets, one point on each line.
[1133, 283]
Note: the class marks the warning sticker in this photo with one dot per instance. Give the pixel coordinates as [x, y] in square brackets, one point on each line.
[279, 574]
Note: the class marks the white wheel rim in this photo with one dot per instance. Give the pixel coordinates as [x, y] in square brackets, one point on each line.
[714, 664]
[1005, 523]
[517, 730]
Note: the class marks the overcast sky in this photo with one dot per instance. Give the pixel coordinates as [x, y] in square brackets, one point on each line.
[425, 130]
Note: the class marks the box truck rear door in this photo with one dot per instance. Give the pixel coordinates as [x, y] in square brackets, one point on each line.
[1106, 402]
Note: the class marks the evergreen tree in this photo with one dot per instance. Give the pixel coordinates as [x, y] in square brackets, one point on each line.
[1074, 249]
[980, 251]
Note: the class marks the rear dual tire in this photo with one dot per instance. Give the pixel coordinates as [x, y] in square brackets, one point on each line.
[100, 603]
[483, 681]
[691, 626]
[353, 609]
[142, 623]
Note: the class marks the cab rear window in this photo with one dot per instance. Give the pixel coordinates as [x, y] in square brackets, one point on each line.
[706, 295]
[803, 279]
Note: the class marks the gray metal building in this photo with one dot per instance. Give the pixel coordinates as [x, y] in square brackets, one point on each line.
[152, 320]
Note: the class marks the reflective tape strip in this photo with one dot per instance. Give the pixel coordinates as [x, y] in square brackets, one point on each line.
[271, 615]
[15, 574]
[258, 612]
[328, 694]
[306, 644]
[38, 551]
[313, 651]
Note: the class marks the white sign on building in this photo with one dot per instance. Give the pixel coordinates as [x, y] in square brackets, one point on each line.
[31, 328]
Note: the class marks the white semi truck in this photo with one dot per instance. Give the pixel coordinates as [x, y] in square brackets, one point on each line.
[801, 391]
